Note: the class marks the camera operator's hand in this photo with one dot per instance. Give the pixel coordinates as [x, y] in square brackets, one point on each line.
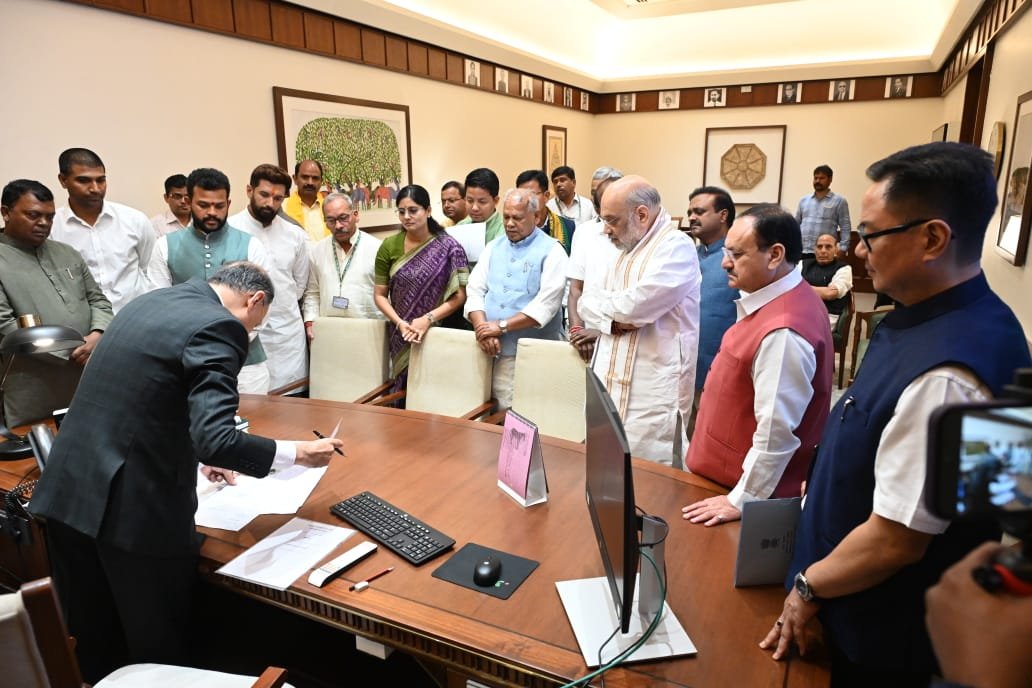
[981, 639]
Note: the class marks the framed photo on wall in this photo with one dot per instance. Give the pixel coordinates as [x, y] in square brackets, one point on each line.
[747, 161]
[1016, 208]
[363, 146]
[553, 147]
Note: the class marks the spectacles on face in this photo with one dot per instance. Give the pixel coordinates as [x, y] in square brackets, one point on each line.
[866, 236]
[411, 211]
[339, 220]
[734, 254]
[178, 196]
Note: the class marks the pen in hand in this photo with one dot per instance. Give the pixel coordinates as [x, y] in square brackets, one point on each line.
[322, 437]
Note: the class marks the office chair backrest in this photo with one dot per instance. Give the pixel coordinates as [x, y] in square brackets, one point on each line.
[549, 387]
[34, 647]
[448, 374]
[348, 358]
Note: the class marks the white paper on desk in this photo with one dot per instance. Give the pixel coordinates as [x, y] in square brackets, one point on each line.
[231, 507]
[471, 237]
[290, 552]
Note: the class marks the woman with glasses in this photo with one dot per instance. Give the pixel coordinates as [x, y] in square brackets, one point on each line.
[420, 278]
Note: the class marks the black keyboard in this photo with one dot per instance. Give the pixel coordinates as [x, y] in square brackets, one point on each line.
[409, 537]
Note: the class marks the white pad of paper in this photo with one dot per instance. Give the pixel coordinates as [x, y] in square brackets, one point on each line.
[287, 554]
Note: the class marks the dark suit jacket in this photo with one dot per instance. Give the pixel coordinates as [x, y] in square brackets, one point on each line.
[157, 396]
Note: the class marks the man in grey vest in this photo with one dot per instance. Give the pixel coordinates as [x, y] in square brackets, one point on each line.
[204, 247]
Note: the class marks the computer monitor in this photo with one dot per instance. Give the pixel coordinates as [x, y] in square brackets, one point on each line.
[609, 490]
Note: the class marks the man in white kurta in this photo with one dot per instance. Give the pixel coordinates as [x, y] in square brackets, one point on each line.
[340, 283]
[648, 314]
[282, 333]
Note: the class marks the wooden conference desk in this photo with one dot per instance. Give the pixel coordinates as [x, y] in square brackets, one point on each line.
[442, 470]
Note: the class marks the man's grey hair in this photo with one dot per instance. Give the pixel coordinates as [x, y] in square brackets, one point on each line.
[244, 278]
[646, 195]
[338, 196]
[606, 173]
[521, 195]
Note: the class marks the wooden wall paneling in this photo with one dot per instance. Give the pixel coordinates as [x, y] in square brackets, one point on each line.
[437, 64]
[214, 14]
[454, 70]
[318, 32]
[869, 88]
[734, 97]
[762, 94]
[924, 86]
[647, 101]
[253, 19]
[347, 40]
[397, 53]
[815, 91]
[288, 25]
[417, 59]
[374, 51]
[125, 5]
[173, 10]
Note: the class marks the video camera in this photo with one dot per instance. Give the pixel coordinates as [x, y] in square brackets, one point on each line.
[980, 466]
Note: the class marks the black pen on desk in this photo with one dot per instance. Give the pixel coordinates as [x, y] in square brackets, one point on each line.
[362, 585]
[322, 437]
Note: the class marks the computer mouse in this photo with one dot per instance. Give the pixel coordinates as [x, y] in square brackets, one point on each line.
[487, 571]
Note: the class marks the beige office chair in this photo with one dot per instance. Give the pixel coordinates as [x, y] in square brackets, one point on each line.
[548, 387]
[448, 374]
[36, 652]
[348, 359]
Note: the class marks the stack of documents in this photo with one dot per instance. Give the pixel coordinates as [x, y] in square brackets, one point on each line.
[231, 507]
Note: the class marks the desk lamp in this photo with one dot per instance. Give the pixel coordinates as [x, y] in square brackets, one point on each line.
[32, 338]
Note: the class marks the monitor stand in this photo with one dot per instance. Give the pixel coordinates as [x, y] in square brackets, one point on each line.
[590, 609]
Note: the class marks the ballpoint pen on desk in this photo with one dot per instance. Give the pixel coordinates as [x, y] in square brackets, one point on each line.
[322, 437]
[362, 585]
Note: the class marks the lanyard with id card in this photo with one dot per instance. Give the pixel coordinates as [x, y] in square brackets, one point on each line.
[341, 302]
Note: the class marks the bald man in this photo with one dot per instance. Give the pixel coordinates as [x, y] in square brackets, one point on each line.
[647, 312]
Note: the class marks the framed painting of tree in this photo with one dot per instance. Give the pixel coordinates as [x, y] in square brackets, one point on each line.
[363, 146]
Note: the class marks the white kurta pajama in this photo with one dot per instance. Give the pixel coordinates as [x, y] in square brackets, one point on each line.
[283, 333]
[650, 372]
[346, 277]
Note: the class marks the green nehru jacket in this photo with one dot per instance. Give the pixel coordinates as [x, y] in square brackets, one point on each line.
[52, 282]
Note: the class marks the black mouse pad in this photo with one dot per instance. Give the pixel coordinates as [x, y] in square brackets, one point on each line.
[459, 570]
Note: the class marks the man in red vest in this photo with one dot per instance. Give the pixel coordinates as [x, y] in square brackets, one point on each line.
[767, 394]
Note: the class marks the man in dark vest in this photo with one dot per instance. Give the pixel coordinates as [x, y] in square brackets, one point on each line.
[768, 389]
[831, 278]
[867, 548]
[204, 247]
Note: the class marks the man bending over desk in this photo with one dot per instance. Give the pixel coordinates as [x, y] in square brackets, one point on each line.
[119, 491]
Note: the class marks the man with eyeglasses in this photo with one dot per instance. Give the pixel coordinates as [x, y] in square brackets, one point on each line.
[178, 214]
[287, 247]
[340, 283]
[867, 547]
[647, 312]
[768, 390]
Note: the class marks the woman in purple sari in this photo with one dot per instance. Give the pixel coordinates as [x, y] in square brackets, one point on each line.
[420, 278]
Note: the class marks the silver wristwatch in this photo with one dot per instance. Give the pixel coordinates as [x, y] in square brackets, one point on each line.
[503, 325]
[802, 586]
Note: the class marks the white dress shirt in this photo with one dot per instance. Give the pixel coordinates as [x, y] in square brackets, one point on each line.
[782, 371]
[581, 209]
[166, 223]
[591, 255]
[117, 249]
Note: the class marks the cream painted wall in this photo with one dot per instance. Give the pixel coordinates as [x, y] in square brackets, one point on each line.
[1010, 78]
[668, 147]
[153, 99]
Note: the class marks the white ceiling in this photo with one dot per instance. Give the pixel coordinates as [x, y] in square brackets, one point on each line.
[616, 45]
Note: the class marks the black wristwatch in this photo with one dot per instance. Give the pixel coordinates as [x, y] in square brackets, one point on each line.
[802, 586]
